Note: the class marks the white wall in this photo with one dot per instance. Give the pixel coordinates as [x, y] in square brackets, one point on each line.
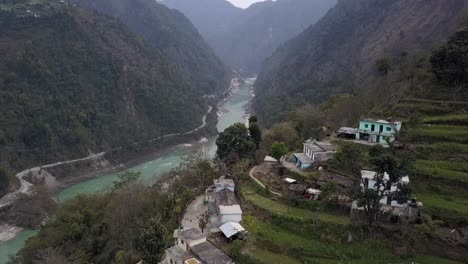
[231, 218]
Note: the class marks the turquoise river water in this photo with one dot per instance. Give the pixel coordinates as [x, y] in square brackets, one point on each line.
[233, 111]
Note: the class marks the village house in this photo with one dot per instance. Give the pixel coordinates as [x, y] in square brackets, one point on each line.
[410, 210]
[191, 247]
[313, 152]
[219, 185]
[378, 131]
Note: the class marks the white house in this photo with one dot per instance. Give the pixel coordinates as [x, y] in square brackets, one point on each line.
[369, 179]
[230, 213]
[313, 151]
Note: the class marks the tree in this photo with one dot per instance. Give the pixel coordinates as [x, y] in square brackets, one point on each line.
[369, 197]
[4, 181]
[204, 220]
[235, 143]
[278, 150]
[384, 65]
[153, 241]
[350, 158]
[450, 61]
[126, 179]
[253, 119]
[255, 133]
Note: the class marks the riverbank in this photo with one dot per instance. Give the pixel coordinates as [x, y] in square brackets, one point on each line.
[155, 161]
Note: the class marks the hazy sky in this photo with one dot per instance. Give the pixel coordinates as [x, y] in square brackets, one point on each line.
[244, 3]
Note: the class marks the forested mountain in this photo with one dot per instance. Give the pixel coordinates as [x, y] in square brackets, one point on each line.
[174, 36]
[72, 80]
[244, 38]
[348, 48]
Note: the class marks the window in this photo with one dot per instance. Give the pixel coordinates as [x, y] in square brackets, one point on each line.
[366, 125]
[182, 241]
[389, 129]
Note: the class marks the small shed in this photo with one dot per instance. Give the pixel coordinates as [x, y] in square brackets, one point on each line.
[270, 162]
[289, 180]
[296, 190]
[347, 132]
[232, 230]
[312, 194]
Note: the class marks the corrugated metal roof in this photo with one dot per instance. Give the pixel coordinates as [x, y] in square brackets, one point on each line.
[231, 228]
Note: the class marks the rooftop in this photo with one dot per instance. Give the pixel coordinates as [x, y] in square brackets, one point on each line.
[370, 175]
[347, 130]
[223, 181]
[226, 197]
[231, 228]
[297, 187]
[178, 254]
[380, 121]
[191, 234]
[303, 158]
[270, 159]
[192, 261]
[319, 146]
[209, 254]
[289, 180]
[229, 210]
[336, 178]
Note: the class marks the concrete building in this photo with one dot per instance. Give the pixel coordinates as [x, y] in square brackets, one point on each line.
[313, 152]
[191, 247]
[230, 213]
[378, 131]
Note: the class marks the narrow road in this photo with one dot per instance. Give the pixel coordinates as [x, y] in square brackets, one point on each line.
[251, 174]
[25, 187]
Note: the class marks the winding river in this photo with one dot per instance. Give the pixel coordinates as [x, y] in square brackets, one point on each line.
[233, 110]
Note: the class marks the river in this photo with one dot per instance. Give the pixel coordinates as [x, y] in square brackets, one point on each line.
[233, 110]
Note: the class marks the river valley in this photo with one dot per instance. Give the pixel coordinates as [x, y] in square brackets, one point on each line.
[231, 111]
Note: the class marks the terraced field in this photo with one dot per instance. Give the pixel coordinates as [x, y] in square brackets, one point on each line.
[441, 144]
[289, 211]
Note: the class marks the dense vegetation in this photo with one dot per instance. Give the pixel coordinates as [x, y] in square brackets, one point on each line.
[73, 81]
[174, 36]
[349, 48]
[129, 223]
[244, 38]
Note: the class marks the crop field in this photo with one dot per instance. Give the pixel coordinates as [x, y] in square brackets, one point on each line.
[446, 203]
[461, 120]
[442, 169]
[443, 147]
[274, 244]
[438, 133]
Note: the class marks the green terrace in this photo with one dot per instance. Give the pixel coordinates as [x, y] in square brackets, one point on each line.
[439, 204]
[442, 147]
[452, 170]
[437, 133]
[447, 119]
[276, 244]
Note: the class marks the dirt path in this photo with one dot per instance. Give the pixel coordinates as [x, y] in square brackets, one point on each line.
[251, 174]
[193, 213]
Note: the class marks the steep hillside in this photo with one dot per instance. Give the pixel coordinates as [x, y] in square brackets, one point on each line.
[343, 51]
[244, 38]
[73, 81]
[209, 21]
[174, 36]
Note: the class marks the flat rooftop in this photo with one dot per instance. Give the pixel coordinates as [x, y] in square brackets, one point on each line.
[209, 254]
[191, 234]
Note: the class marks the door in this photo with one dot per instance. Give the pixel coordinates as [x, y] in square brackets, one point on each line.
[372, 128]
[381, 128]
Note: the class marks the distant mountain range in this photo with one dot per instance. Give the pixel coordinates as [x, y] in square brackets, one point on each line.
[74, 80]
[340, 53]
[244, 38]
